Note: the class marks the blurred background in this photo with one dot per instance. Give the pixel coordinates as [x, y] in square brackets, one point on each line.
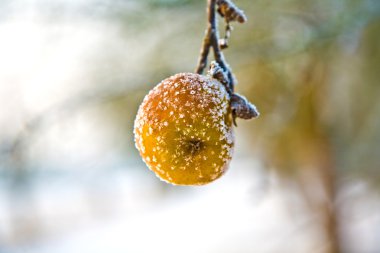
[305, 176]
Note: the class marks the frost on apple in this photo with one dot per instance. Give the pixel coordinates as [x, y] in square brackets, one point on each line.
[183, 129]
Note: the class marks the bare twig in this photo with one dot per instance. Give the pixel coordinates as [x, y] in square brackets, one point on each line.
[211, 39]
[202, 61]
[219, 68]
[223, 42]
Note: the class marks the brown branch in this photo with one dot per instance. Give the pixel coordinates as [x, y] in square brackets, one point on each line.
[223, 43]
[211, 39]
[205, 49]
[219, 68]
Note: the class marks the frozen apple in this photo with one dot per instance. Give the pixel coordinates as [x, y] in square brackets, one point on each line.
[183, 129]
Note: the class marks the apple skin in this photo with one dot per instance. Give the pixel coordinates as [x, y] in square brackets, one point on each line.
[183, 129]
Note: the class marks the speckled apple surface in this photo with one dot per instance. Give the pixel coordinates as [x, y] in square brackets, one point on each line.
[183, 129]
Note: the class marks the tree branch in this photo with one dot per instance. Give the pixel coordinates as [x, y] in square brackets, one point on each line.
[211, 39]
[219, 69]
[205, 49]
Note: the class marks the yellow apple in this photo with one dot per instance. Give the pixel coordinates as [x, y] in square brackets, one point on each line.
[183, 129]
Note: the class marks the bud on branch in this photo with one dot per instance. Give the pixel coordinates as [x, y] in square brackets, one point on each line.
[230, 11]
